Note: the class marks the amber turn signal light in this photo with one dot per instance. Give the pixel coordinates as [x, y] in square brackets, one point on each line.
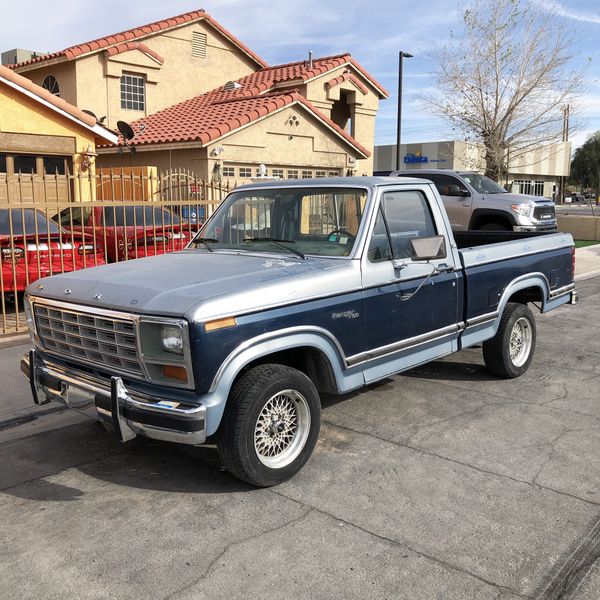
[220, 324]
[175, 372]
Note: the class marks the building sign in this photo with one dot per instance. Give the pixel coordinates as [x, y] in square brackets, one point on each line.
[415, 158]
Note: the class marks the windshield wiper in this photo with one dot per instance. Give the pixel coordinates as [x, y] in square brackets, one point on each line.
[206, 242]
[280, 243]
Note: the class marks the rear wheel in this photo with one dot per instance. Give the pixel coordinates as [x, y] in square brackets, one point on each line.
[510, 352]
[270, 425]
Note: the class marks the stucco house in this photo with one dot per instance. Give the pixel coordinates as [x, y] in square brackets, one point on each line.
[198, 98]
[42, 135]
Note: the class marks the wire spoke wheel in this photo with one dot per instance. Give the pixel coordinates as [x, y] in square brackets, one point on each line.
[521, 339]
[282, 429]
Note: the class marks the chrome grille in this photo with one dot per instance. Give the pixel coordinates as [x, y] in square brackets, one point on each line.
[544, 212]
[104, 341]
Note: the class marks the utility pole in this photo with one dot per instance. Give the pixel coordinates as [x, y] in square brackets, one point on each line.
[565, 138]
[401, 57]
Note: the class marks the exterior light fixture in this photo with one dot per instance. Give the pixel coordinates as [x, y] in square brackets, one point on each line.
[88, 157]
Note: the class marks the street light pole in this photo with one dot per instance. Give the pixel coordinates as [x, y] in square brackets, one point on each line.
[402, 55]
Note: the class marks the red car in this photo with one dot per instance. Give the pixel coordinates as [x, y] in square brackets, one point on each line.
[33, 246]
[127, 231]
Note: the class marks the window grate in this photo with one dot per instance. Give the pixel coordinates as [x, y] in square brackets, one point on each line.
[199, 44]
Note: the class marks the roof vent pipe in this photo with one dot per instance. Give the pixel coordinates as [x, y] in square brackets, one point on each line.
[310, 63]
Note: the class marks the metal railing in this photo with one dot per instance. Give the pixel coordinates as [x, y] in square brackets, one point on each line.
[59, 223]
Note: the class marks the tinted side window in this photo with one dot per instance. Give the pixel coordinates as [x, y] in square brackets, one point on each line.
[408, 215]
[443, 181]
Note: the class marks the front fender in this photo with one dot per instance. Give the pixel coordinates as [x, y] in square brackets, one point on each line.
[346, 378]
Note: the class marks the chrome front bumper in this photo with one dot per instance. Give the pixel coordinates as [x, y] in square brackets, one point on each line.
[129, 413]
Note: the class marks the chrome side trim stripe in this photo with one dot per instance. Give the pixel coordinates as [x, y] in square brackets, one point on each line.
[406, 344]
[481, 319]
[562, 290]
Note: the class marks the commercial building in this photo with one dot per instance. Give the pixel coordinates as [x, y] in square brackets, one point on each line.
[539, 172]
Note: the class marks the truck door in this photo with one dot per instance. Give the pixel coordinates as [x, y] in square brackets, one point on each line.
[457, 200]
[408, 319]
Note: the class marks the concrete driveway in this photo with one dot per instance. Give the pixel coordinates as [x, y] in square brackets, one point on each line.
[441, 483]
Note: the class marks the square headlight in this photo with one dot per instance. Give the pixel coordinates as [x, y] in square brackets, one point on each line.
[171, 338]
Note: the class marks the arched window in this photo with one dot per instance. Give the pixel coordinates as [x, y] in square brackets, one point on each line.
[51, 85]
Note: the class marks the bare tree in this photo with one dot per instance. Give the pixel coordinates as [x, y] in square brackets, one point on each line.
[505, 79]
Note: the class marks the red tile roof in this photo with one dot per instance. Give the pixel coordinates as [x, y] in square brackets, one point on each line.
[141, 32]
[208, 117]
[44, 95]
[128, 46]
[347, 76]
[301, 71]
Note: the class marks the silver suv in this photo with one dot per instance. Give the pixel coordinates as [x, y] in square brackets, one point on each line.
[474, 201]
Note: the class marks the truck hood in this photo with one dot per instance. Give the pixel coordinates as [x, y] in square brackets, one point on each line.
[200, 285]
[520, 198]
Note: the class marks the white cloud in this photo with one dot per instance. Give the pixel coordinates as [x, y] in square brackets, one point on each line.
[559, 9]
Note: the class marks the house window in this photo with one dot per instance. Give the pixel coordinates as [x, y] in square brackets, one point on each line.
[258, 173]
[2, 163]
[320, 174]
[51, 85]
[245, 172]
[198, 44]
[133, 92]
[306, 174]
[531, 188]
[277, 173]
[228, 171]
[333, 173]
[24, 163]
[54, 165]
[292, 174]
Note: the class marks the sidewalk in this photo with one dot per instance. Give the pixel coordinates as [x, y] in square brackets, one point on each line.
[587, 262]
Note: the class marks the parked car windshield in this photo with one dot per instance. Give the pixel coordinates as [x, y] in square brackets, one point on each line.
[139, 216]
[317, 221]
[483, 184]
[29, 221]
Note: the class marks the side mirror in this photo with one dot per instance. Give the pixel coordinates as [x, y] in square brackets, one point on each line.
[455, 190]
[428, 248]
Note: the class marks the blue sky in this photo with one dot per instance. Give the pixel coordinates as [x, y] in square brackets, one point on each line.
[285, 30]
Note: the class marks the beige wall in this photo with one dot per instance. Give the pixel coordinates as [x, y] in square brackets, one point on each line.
[96, 78]
[65, 76]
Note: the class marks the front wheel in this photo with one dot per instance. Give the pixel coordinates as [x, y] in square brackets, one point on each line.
[509, 353]
[270, 425]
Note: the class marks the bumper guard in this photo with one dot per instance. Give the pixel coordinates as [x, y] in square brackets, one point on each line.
[130, 414]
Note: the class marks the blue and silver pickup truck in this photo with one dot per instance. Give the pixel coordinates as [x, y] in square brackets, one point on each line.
[290, 290]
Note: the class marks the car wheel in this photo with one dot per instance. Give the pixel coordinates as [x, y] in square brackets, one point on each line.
[510, 352]
[270, 425]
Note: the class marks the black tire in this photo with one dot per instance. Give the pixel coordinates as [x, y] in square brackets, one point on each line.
[254, 395]
[516, 320]
[494, 227]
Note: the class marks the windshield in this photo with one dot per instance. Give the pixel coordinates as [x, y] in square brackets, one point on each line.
[294, 221]
[31, 221]
[483, 184]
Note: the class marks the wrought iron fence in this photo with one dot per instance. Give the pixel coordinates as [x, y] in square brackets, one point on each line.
[58, 223]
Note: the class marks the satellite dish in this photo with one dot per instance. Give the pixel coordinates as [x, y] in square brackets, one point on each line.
[126, 130]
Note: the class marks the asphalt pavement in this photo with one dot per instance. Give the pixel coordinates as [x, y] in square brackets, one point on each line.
[444, 482]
